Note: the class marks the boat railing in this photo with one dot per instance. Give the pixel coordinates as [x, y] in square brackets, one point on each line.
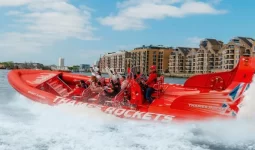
[160, 86]
[118, 99]
[65, 84]
[53, 88]
[119, 96]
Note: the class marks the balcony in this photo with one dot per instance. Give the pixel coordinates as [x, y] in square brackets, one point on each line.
[229, 57]
[200, 63]
[200, 55]
[188, 63]
[229, 52]
[229, 62]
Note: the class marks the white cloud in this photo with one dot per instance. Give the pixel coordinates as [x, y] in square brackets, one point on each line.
[194, 41]
[14, 2]
[44, 22]
[129, 3]
[133, 13]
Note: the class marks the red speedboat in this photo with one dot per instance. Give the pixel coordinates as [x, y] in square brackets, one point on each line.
[205, 96]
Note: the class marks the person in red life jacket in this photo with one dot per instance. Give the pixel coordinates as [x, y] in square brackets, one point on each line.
[138, 74]
[150, 83]
[77, 91]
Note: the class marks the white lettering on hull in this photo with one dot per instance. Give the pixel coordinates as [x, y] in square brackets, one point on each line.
[206, 107]
[119, 112]
[132, 114]
[110, 110]
[35, 94]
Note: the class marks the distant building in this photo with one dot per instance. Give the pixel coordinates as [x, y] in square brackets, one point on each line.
[84, 67]
[61, 62]
[116, 60]
[2, 66]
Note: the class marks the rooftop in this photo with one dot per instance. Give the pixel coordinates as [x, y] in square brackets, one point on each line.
[153, 47]
[247, 40]
[184, 50]
[115, 53]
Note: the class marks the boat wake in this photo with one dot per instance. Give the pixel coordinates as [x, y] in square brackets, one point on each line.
[248, 105]
[30, 125]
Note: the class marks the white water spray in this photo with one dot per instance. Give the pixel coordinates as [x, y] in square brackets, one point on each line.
[38, 126]
[247, 110]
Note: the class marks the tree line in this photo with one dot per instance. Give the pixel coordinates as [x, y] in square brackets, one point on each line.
[26, 65]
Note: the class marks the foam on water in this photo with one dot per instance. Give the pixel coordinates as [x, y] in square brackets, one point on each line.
[25, 124]
[248, 106]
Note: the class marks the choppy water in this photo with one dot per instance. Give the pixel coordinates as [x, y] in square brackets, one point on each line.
[26, 125]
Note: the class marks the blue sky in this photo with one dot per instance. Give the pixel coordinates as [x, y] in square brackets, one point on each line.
[80, 30]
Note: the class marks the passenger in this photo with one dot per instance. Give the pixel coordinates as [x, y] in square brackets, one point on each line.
[124, 83]
[83, 84]
[135, 76]
[99, 72]
[95, 72]
[77, 91]
[150, 82]
[99, 76]
[138, 75]
[116, 87]
[95, 85]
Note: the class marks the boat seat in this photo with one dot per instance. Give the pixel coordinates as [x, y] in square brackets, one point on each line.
[87, 92]
[160, 87]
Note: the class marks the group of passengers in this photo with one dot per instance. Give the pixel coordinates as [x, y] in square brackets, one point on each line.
[97, 84]
[118, 83]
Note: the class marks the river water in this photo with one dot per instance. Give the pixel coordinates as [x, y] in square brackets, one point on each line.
[27, 125]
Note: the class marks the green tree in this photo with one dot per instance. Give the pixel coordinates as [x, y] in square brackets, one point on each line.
[70, 68]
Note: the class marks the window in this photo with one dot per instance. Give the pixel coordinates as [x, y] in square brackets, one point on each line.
[236, 41]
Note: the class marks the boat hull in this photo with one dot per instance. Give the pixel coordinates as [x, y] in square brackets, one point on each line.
[219, 95]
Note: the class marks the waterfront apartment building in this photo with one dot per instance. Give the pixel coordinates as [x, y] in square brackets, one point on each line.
[211, 56]
[191, 61]
[232, 51]
[208, 56]
[146, 56]
[116, 60]
[196, 60]
[178, 60]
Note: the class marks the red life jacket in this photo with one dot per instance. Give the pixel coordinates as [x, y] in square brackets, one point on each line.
[78, 91]
[152, 79]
